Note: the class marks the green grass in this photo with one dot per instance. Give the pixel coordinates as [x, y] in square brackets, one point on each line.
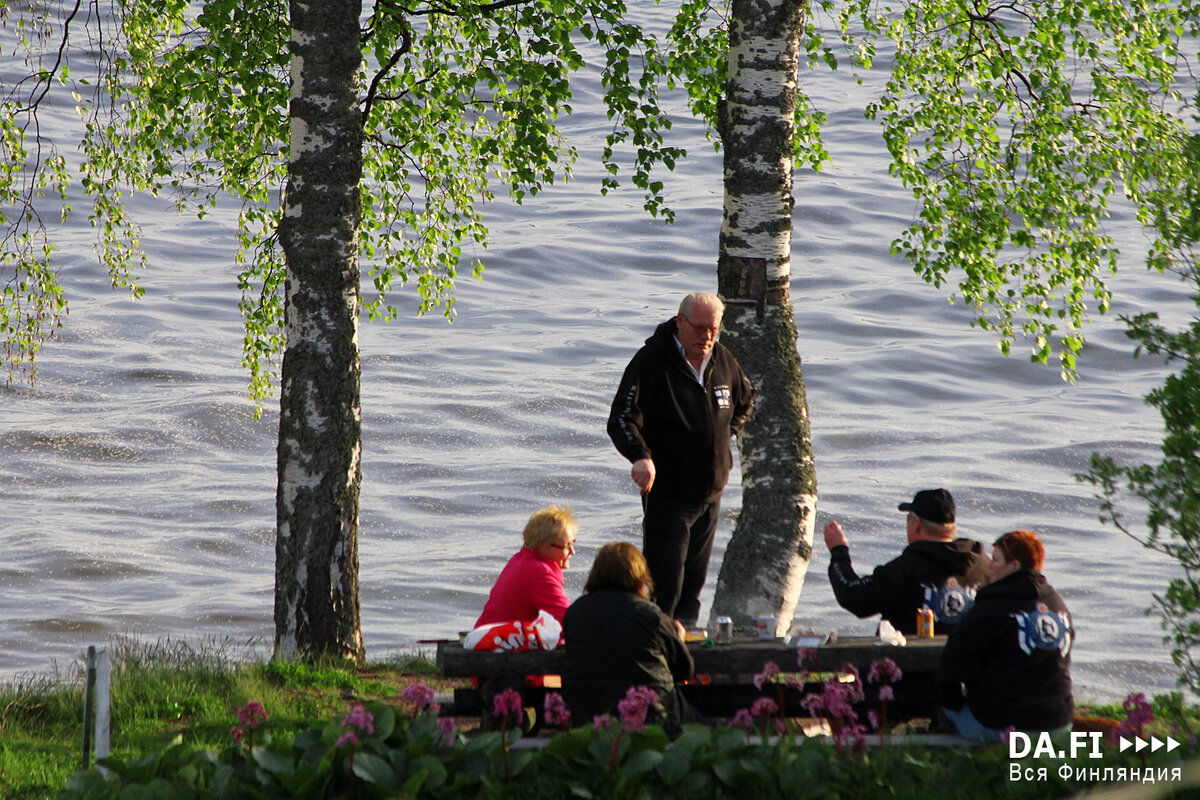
[171, 691]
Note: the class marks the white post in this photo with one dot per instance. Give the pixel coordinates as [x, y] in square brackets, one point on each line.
[89, 691]
[103, 707]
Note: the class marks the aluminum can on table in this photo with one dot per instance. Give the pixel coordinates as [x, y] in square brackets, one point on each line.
[925, 623]
[724, 630]
[766, 626]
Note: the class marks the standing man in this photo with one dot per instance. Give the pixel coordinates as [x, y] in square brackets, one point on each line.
[680, 400]
[935, 571]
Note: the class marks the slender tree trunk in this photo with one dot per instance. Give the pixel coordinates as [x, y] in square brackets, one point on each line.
[764, 565]
[320, 427]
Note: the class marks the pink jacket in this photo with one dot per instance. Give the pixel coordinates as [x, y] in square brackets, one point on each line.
[529, 583]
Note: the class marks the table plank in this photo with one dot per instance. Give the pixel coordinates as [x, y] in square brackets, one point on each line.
[742, 657]
[751, 656]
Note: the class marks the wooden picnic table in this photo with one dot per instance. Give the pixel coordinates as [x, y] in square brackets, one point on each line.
[725, 672]
[742, 656]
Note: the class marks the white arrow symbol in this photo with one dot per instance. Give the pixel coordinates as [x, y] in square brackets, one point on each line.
[1155, 743]
[1141, 745]
[1125, 744]
[1171, 744]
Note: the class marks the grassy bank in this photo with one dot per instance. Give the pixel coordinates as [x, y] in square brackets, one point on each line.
[174, 707]
[171, 691]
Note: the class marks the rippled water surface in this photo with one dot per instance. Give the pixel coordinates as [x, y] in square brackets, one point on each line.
[139, 490]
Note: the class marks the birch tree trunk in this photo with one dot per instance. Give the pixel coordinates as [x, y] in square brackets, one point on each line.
[320, 427]
[764, 565]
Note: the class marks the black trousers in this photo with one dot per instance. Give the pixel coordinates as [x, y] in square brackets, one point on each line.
[677, 540]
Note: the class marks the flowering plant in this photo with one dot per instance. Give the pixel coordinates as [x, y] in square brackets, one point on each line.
[357, 720]
[557, 714]
[635, 707]
[251, 716]
[420, 695]
[404, 754]
[884, 671]
[1138, 714]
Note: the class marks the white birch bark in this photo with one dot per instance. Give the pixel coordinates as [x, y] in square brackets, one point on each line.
[764, 566]
[320, 427]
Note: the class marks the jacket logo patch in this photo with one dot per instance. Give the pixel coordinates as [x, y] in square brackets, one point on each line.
[1043, 629]
[724, 396]
[950, 602]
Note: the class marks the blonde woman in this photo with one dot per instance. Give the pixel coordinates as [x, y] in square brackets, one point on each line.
[532, 580]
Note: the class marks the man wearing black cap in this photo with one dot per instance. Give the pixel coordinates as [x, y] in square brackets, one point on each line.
[936, 570]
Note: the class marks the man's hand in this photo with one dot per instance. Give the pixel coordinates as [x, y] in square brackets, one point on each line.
[835, 536]
[643, 474]
[680, 631]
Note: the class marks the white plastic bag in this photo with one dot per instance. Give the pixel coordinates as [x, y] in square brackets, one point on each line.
[543, 633]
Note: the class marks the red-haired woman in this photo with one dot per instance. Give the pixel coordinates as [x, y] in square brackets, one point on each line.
[1007, 666]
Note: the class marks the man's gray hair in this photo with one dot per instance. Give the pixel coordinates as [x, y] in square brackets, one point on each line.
[938, 530]
[701, 298]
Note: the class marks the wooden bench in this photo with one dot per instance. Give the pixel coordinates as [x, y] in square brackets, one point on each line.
[725, 674]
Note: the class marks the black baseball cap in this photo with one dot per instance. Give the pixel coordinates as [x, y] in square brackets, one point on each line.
[935, 505]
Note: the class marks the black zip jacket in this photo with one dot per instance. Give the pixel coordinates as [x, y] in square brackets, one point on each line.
[661, 412]
[897, 589]
[1012, 655]
[615, 640]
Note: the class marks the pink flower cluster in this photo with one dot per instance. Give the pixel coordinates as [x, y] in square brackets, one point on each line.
[764, 710]
[357, 720]
[251, 716]
[420, 695]
[835, 700]
[634, 708]
[448, 727]
[884, 671]
[1138, 715]
[836, 703]
[804, 655]
[557, 714]
[506, 704]
[769, 671]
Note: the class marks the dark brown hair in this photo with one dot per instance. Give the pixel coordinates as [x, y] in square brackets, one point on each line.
[619, 565]
[1023, 547]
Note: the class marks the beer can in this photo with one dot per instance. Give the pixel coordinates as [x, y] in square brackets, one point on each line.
[925, 623]
[724, 630]
[766, 626]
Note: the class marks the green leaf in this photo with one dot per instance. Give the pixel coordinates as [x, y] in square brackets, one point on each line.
[640, 763]
[281, 763]
[373, 769]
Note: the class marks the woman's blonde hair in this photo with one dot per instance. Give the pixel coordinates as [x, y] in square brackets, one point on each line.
[546, 524]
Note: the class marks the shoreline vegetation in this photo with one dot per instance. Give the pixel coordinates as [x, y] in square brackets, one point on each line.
[218, 720]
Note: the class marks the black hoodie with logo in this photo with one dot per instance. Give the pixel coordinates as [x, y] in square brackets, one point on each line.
[661, 412]
[897, 589]
[1010, 658]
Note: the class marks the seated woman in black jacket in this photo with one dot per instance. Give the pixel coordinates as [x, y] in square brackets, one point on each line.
[616, 639]
[1008, 665]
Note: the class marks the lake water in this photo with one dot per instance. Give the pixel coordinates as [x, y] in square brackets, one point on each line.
[139, 489]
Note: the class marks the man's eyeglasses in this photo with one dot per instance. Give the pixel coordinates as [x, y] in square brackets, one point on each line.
[716, 329]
